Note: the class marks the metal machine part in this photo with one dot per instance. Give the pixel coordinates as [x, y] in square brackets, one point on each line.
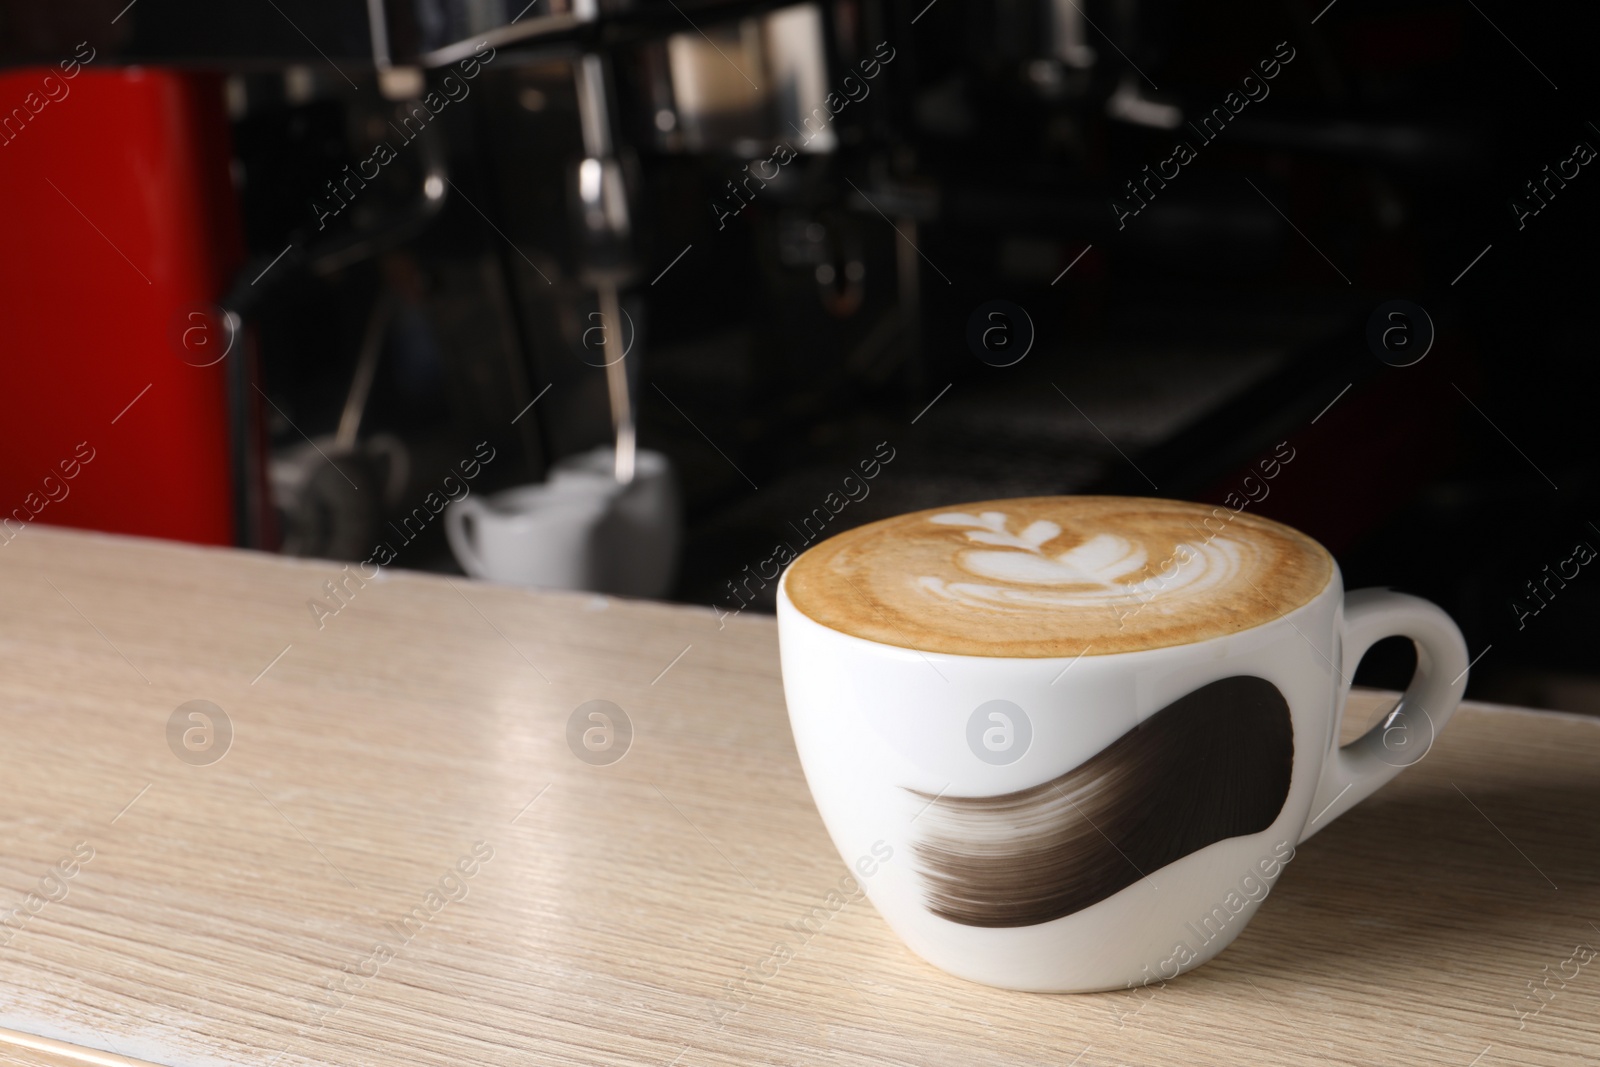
[316, 488]
[604, 244]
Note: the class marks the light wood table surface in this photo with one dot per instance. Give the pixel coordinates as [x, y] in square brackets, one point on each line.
[622, 901]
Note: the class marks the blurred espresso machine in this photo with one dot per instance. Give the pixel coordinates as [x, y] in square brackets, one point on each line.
[535, 222]
[750, 235]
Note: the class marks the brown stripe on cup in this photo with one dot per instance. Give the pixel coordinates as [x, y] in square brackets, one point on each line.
[1211, 765]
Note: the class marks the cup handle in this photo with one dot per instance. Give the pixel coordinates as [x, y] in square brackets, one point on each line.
[1353, 772]
[460, 518]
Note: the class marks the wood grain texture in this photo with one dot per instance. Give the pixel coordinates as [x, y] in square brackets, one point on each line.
[621, 904]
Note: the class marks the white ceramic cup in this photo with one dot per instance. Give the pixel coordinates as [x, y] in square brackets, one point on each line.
[580, 530]
[880, 729]
[643, 533]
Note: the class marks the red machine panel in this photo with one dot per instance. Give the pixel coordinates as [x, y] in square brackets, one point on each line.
[120, 216]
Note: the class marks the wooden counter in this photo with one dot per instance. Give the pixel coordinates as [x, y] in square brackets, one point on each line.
[422, 732]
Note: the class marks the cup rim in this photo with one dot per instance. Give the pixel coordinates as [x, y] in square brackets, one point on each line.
[603, 457]
[1334, 580]
[512, 503]
[1334, 588]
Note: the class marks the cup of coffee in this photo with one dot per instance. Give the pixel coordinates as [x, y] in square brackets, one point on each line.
[582, 529]
[541, 535]
[643, 531]
[1069, 743]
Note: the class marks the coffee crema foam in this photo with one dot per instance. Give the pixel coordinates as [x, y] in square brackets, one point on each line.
[1058, 576]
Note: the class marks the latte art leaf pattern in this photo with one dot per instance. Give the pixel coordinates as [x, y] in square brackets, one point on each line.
[1090, 574]
[1058, 576]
